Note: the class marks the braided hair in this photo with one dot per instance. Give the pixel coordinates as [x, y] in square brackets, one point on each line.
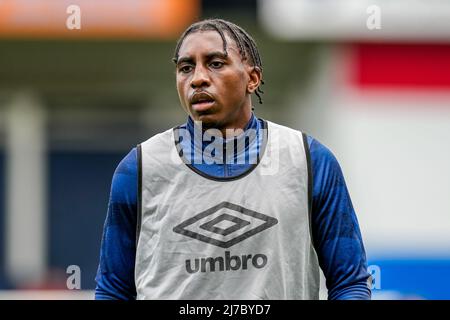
[246, 45]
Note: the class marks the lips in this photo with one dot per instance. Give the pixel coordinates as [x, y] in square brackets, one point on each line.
[201, 101]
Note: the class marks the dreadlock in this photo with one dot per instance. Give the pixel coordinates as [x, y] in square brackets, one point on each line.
[246, 45]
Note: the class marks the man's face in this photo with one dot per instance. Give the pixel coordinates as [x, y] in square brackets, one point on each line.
[214, 88]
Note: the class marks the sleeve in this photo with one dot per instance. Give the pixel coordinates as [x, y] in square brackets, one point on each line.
[115, 274]
[336, 234]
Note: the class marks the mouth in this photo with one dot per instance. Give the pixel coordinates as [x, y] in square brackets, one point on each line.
[200, 102]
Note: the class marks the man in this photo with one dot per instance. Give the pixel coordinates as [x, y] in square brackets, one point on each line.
[187, 221]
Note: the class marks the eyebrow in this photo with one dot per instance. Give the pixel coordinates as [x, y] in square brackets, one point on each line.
[209, 56]
[185, 59]
[216, 54]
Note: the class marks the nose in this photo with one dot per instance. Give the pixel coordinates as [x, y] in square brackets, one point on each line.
[200, 78]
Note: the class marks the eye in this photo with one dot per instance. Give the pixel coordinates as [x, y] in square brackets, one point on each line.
[186, 68]
[217, 64]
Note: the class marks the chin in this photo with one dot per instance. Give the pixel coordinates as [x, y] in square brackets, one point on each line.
[209, 122]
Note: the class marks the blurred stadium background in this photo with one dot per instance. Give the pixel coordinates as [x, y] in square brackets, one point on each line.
[74, 102]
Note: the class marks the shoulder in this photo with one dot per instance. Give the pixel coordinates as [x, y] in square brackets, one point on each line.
[328, 178]
[128, 164]
[286, 138]
[124, 181]
[281, 128]
[158, 139]
[321, 155]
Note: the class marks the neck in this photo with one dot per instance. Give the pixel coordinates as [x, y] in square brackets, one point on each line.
[241, 118]
[233, 129]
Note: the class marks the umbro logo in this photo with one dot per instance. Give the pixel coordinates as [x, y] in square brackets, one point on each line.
[225, 224]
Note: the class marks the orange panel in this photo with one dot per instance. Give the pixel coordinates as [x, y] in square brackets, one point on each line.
[99, 18]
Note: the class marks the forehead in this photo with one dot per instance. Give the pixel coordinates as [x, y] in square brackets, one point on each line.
[204, 42]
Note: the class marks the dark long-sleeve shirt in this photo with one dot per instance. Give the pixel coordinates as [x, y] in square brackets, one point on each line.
[336, 234]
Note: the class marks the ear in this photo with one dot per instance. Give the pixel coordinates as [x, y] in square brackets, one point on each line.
[255, 77]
